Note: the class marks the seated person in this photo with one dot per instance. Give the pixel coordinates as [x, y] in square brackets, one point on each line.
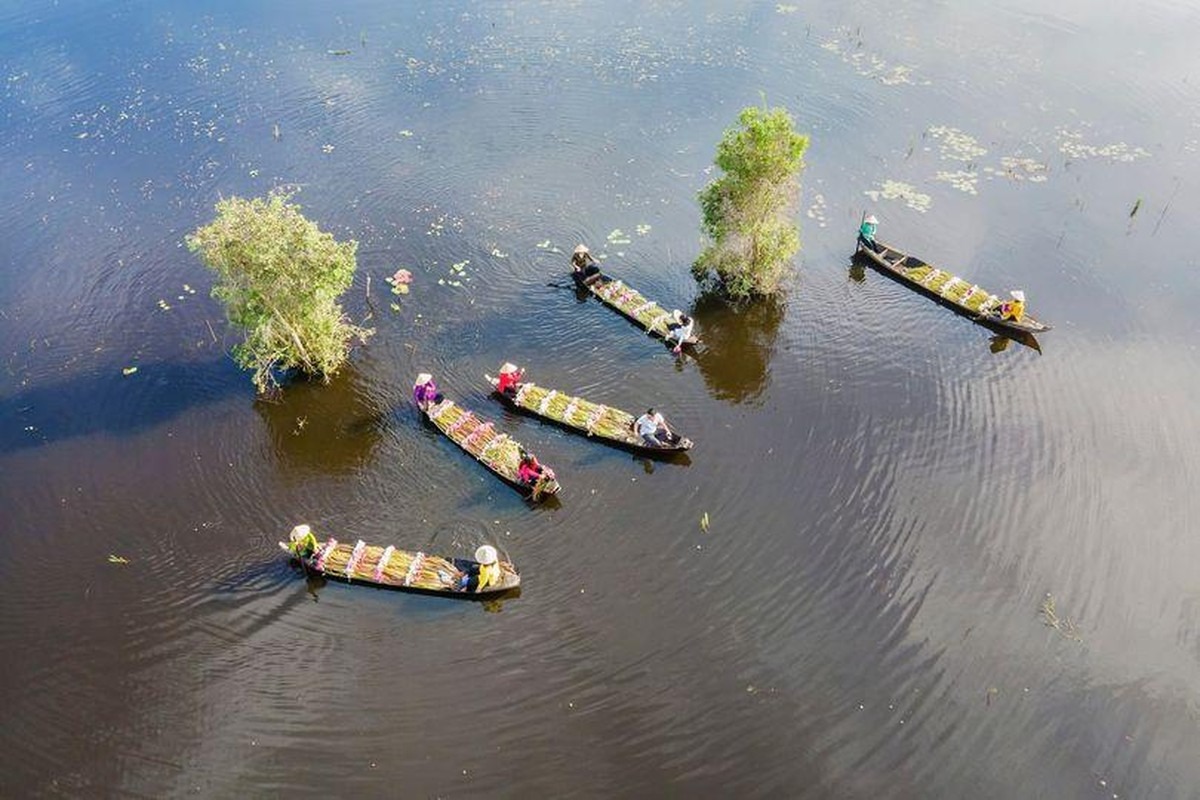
[653, 429]
[679, 329]
[425, 392]
[482, 574]
[584, 267]
[866, 234]
[529, 471]
[510, 378]
[1013, 309]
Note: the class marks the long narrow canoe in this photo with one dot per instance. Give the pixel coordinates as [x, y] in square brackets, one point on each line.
[965, 297]
[603, 422]
[496, 451]
[633, 305]
[389, 568]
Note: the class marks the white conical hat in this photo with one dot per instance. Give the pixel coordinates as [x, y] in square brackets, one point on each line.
[871, 219]
[423, 378]
[299, 532]
[677, 315]
[1018, 295]
[485, 554]
[581, 248]
[507, 366]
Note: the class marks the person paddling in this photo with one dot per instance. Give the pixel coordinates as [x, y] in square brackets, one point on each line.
[584, 267]
[302, 541]
[866, 233]
[425, 392]
[510, 378]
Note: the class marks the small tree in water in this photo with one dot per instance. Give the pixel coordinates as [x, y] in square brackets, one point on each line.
[749, 211]
[280, 278]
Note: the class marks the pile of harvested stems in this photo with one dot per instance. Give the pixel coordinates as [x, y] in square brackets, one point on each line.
[954, 289]
[495, 450]
[401, 567]
[631, 302]
[611, 423]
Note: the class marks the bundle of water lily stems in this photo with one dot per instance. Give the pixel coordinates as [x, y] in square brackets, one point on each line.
[399, 567]
[633, 303]
[611, 423]
[500, 453]
[953, 288]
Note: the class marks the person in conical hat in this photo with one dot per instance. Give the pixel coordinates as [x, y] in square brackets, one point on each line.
[484, 572]
[583, 266]
[510, 378]
[303, 542]
[866, 233]
[425, 392]
[1013, 309]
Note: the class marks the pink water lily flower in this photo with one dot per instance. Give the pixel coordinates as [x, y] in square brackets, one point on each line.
[401, 276]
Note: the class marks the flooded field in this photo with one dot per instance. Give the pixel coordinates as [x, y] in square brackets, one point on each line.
[938, 563]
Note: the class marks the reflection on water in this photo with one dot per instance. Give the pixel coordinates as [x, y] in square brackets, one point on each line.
[323, 428]
[738, 340]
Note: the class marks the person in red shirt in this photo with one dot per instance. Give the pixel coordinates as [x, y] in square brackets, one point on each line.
[510, 378]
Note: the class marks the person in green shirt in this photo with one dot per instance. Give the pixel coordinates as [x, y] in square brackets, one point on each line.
[866, 233]
[303, 542]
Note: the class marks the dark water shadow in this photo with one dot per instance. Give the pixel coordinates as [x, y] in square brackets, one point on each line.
[328, 428]
[738, 340]
[111, 403]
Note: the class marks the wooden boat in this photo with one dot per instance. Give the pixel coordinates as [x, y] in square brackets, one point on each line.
[963, 296]
[611, 424]
[389, 568]
[496, 451]
[632, 305]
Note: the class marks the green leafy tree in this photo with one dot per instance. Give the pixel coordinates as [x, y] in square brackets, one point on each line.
[749, 211]
[280, 278]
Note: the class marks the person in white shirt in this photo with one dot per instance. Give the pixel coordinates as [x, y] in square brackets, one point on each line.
[679, 329]
[653, 429]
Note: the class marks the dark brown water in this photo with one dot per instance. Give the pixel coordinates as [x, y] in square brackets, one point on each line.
[892, 492]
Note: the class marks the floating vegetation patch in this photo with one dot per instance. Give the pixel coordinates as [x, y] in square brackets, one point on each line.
[786, 9]
[816, 211]
[961, 179]
[1063, 625]
[869, 65]
[956, 145]
[906, 193]
[1019, 169]
[643, 229]
[1072, 145]
[618, 236]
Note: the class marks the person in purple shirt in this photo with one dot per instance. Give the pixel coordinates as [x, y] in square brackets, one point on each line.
[425, 393]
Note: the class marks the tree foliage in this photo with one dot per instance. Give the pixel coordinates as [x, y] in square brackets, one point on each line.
[748, 212]
[280, 278]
